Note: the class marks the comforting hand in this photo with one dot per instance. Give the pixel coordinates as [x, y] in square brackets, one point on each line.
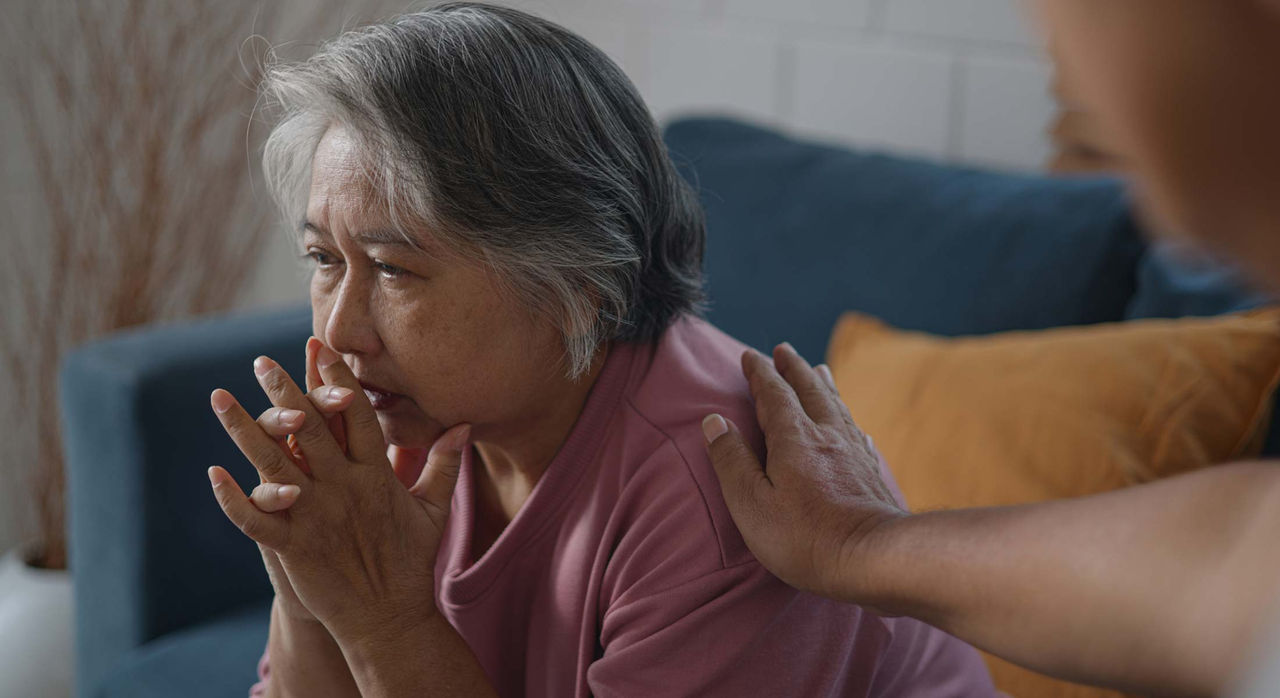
[356, 547]
[810, 509]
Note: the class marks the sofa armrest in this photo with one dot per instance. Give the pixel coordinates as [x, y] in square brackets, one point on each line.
[150, 551]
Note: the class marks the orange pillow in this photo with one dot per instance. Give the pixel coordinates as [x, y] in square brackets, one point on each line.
[1030, 416]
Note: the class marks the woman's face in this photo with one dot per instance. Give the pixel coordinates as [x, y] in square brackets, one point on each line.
[430, 337]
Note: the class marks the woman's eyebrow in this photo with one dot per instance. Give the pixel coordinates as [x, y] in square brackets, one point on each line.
[376, 236]
[381, 237]
[309, 227]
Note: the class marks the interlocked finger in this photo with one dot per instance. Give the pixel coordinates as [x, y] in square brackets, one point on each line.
[263, 528]
[281, 421]
[312, 436]
[262, 449]
[272, 497]
[315, 385]
[365, 439]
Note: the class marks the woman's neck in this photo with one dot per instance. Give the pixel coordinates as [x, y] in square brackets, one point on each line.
[509, 466]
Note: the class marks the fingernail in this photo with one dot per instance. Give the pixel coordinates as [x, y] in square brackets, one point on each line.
[460, 438]
[325, 357]
[289, 491]
[338, 394]
[713, 427]
[787, 346]
[213, 477]
[262, 365]
[289, 418]
[825, 372]
[221, 400]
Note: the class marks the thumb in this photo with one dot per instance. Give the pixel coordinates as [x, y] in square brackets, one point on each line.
[407, 463]
[440, 474]
[737, 467]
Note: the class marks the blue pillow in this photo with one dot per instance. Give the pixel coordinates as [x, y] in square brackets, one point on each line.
[799, 232]
[1174, 281]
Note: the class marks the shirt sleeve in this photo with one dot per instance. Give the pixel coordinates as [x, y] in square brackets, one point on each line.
[740, 631]
[688, 611]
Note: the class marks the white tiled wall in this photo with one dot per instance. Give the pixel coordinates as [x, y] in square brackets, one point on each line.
[1005, 107]
[683, 70]
[836, 13]
[873, 96]
[956, 80]
[984, 22]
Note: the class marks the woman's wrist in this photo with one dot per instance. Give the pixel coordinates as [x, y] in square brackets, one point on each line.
[418, 654]
[369, 630]
[305, 659]
[380, 654]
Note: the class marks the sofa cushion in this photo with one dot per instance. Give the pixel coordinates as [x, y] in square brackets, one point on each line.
[799, 232]
[152, 552]
[1174, 281]
[1031, 416]
[215, 659]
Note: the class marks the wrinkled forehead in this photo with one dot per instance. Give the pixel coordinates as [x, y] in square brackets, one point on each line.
[343, 197]
[345, 200]
[341, 185]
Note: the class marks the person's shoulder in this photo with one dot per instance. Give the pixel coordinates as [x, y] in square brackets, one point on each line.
[692, 370]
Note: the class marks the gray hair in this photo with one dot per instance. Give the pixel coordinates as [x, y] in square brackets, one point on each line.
[516, 143]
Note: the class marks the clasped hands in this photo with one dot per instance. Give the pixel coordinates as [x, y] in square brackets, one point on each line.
[348, 527]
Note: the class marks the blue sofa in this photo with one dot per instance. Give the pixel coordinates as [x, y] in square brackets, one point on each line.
[172, 600]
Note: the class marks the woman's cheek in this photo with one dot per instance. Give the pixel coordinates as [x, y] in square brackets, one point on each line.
[446, 388]
[321, 304]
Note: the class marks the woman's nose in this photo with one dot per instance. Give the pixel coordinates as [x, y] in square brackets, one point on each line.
[349, 327]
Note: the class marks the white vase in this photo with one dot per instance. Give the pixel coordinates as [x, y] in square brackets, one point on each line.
[36, 637]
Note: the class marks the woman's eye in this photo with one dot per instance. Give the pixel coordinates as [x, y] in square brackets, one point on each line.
[388, 270]
[321, 258]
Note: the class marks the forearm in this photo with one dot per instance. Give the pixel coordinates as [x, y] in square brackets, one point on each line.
[1160, 587]
[305, 660]
[426, 658]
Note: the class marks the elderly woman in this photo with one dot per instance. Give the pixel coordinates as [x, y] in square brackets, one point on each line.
[496, 482]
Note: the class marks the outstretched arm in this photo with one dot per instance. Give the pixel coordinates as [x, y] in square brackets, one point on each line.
[1160, 588]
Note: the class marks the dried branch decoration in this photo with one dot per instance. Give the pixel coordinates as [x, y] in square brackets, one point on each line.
[137, 116]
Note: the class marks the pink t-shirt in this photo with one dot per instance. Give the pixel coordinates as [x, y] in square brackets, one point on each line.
[624, 575]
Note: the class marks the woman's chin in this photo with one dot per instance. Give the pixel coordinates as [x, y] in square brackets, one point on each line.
[407, 432]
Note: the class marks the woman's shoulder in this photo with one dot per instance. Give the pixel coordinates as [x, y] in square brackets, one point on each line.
[694, 369]
[691, 370]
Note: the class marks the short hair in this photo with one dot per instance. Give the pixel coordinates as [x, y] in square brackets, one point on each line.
[514, 142]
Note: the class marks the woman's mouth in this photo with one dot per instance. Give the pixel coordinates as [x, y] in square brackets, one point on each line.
[380, 399]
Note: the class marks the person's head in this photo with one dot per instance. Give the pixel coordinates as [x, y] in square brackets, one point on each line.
[1186, 90]
[489, 204]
